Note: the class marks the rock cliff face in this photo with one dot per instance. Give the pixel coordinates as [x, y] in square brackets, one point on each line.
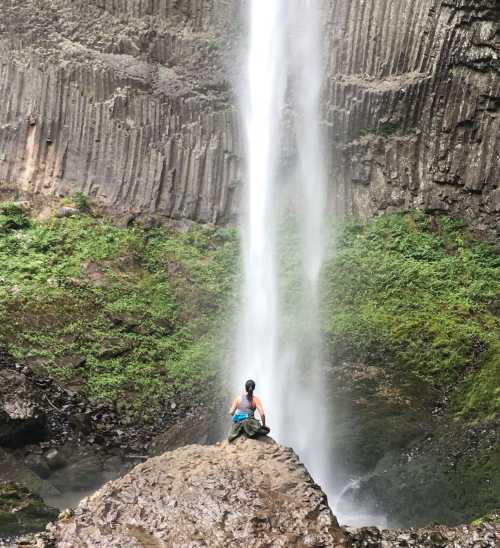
[412, 103]
[123, 100]
[129, 102]
[252, 493]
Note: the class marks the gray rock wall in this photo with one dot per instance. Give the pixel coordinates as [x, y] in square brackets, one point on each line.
[125, 100]
[129, 101]
[412, 106]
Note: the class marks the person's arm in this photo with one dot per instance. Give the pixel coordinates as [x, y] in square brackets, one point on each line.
[260, 409]
[234, 406]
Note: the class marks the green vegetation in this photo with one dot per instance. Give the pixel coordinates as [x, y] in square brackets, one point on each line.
[134, 315]
[82, 202]
[492, 517]
[122, 314]
[420, 294]
[11, 218]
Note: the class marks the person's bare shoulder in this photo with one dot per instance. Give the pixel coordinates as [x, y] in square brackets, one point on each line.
[258, 404]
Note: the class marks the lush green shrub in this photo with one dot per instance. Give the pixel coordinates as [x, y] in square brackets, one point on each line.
[12, 217]
[82, 202]
[419, 293]
[145, 310]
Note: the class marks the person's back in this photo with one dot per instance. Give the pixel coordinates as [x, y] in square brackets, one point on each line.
[245, 405]
[242, 414]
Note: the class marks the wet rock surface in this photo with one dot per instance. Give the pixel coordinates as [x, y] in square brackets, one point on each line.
[484, 535]
[451, 477]
[224, 495]
[402, 455]
[22, 419]
[377, 411]
[79, 445]
[22, 511]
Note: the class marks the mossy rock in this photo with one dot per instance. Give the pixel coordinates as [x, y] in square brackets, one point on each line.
[377, 411]
[21, 511]
[451, 478]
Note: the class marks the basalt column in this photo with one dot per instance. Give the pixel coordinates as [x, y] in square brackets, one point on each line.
[412, 106]
[126, 101]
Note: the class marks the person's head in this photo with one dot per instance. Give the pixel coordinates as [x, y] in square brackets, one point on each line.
[249, 388]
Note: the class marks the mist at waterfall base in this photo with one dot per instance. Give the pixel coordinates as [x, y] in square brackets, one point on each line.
[285, 356]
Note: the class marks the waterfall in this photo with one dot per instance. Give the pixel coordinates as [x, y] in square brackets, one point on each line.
[284, 42]
[263, 97]
[308, 407]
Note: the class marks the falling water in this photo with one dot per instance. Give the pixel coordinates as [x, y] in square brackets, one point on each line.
[284, 41]
[262, 104]
[308, 407]
[284, 68]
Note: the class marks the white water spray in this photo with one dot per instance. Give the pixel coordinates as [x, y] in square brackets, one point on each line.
[308, 406]
[284, 39]
[286, 359]
[262, 102]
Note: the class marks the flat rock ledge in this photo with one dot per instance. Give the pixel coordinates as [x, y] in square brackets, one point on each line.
[250, 493]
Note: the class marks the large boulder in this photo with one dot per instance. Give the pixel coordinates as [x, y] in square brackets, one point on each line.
[22, 421]
[253, 492]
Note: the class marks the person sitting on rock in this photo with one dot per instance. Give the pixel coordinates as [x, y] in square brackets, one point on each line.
[242, 412]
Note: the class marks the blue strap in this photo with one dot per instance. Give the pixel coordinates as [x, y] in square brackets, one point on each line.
[238, 417]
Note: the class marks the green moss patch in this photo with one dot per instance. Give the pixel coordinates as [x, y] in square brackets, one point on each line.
[121, 314]
[419, 294]
[22, 511]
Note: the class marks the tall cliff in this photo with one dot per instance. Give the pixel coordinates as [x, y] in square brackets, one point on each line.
[412, 103]
[129, 101]
[125, 100]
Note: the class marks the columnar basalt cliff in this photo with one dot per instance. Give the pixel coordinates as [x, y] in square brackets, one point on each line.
[412, 103]
[126, 101]
[129, 101]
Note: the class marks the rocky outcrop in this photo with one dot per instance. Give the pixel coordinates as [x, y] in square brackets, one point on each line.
[250, 493]
[253, 492]
[450, 477]
[485, 534]
[130, 103]
[36, 408]
[22, 420]
[412, 106]
[62, 446]
[22, 511]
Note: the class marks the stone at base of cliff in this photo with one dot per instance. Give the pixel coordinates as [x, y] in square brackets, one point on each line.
[250, 493]
[21, 419]
[22, 511]
[479, 535]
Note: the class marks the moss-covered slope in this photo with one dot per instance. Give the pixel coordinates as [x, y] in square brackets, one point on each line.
[412, 319]
[118, 313]
[419, 294]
